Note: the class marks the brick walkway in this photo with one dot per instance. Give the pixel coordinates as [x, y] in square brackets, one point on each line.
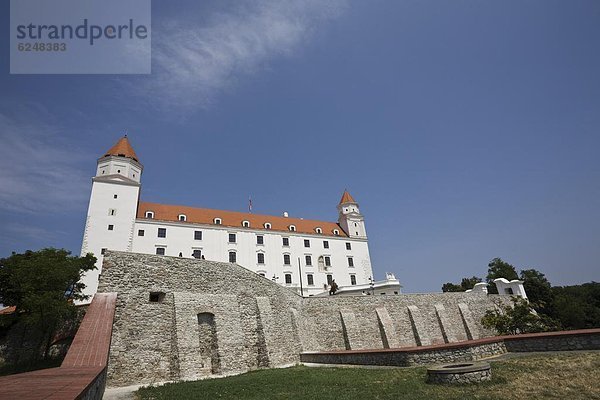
[84, 364]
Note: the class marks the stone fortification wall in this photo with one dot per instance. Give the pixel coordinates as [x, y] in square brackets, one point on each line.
[210, 318]
[188, 319]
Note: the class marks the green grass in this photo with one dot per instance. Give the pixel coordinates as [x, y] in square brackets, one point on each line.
[571, 376]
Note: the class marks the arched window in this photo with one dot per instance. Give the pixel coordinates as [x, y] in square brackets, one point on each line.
[288, 279]
[267, 225]
[150, 214]
[182, 217]
[318, 230]
[232, 257]
[336, 232]
[292, 228]
[217, 221]
[246, 224]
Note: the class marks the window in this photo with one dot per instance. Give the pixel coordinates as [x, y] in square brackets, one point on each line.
[197, 253]
[319, 230]
[182, 217]
[353, 279]
[141, 232]
[286, 242]
[162, 232]
[286, 259]
[246, 224]
[306, 243]
[348, 246]
[350, 262]
[308, 260]
[156, 297]
[325, 244]
[267, 225]
[217, 221]
[149, 214]
[103, 251]
[327, 261]
[310, 279]
[292, 228]
[197, 235]
[262, 274]
[115, 196]
[160, 251]
[112, 211]
[111, 227]
[232, 238]
[232, 257]
[329, 279]
[288, 279]
[336, 232]
[260, 239]
[260, 258]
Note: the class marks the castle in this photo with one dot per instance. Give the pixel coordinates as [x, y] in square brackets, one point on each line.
[304, 255]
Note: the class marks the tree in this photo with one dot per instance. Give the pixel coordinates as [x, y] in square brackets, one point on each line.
[497, 268]
[578, 306]
[538, 290]
[42, 285]
[465, 284]
[515, 319]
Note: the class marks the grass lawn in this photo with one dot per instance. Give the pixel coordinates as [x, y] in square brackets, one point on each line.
[560, 376]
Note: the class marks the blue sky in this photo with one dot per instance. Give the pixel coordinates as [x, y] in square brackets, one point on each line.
[466, 130]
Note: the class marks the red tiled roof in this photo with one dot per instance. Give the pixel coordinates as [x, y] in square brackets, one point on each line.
[347, 198]
[8, 310]
[122, 149]
[195, 215]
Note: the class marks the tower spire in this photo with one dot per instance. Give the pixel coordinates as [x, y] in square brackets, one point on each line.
[122, 149]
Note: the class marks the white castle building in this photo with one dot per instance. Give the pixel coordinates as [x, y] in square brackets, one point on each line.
[305, 255]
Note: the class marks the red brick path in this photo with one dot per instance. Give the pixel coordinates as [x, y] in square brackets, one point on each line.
[84, 363]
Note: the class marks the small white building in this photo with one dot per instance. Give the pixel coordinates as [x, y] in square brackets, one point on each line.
[305, 255]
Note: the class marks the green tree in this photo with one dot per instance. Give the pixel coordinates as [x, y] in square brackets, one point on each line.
[497, 268]
[538, 290]
[42, 285]
[577, 306]
[465, 284]
[515, 319]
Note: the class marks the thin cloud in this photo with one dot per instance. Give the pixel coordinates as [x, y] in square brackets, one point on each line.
[39, 173]
[192, 64]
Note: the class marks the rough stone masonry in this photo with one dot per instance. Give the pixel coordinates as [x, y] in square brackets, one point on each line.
[185, 319]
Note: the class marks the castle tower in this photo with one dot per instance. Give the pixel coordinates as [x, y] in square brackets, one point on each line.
[113, 206]
[350, 218]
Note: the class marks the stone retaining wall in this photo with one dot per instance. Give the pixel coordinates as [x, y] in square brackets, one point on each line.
[215, 318]
[586, 339]
[465, 351]
[472, 350]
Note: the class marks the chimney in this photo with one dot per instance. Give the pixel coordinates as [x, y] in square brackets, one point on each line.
[285, 214]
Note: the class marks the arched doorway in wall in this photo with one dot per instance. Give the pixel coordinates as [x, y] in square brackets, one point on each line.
[208, 343]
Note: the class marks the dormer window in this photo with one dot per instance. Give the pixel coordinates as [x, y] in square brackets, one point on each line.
[292, 228]
[182, 217]
[318, 230]
[150, 214]
[267, 225]
[217, 221]
[246, 224]
[336, 232]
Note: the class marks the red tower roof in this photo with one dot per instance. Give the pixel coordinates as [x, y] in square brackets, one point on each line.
[122, 149]
[347, 198]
